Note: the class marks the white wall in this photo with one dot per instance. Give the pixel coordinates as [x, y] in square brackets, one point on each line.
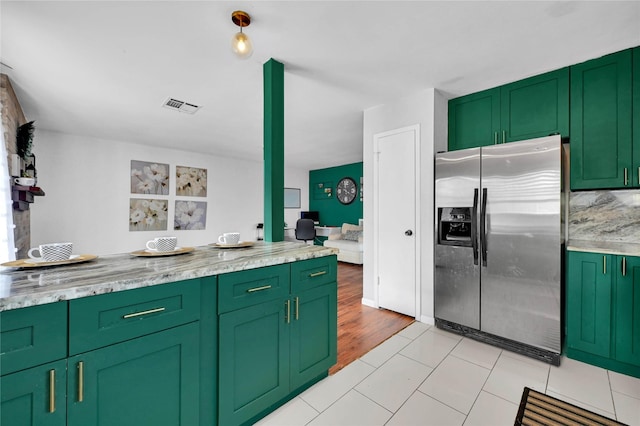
[87, 186]
[428, 109]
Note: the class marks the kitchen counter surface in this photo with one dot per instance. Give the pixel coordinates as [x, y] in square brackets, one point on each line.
[606, 247]
[20, 288]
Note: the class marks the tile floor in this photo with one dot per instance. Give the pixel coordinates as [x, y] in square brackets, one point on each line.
[427, 376]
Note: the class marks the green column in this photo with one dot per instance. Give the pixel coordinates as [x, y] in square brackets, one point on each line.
[273, 151]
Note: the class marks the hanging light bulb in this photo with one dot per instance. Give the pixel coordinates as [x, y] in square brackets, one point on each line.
[241, 43]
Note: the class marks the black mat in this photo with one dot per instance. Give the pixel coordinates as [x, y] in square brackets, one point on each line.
[539, 409]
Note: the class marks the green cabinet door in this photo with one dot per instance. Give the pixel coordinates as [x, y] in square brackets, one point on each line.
[150, 380]
[636, 116]
[254, 360]
[35, 397]
[588, 313]
[535, 107]
[313, 333]
[601, 147]
[627, 323]
[474, 120]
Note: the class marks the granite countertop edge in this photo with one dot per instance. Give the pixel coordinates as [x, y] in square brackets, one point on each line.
[21, 288]
[605, 247]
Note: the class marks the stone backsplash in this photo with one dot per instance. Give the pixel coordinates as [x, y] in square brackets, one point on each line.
[611, 216]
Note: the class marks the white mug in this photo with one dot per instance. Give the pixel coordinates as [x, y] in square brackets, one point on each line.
[229, 238]
[162, 244]
[52, 252]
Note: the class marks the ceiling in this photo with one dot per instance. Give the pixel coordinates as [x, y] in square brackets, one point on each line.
[104, 68]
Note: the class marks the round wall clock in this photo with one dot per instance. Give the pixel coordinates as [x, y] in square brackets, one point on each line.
[346, 190]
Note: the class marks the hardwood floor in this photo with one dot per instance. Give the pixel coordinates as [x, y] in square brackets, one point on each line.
[360, 328]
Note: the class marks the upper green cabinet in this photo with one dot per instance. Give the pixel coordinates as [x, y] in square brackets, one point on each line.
[636, 116]
[601, 123]
[530, 108]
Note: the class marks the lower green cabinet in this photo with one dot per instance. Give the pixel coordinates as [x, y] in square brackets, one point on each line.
[603, 310]
[151, 380]
[35, 397]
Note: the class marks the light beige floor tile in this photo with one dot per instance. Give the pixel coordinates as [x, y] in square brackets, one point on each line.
[476, 352]
[627, 409]
[326, 392]
[294, 413]
[523, 358]
[491, 410]
[430, 347]
[422, 410]
[394, 382]
[455, 382]
[581, 404]
[447, 333]
[351, 410]
[383, 352]
[511, 375]
[582, 382]
[627, 385]
[414, 330]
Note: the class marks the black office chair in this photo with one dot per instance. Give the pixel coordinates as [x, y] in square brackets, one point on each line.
[305, 230]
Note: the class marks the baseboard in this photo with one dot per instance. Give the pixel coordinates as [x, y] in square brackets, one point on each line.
[369, 302]
[427, 320]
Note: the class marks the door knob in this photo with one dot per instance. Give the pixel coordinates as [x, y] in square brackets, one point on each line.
[408, 232]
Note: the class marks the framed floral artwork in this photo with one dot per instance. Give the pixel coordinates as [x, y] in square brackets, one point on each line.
[147, 214]
[149, 178]
[191, 181]
[190, 215]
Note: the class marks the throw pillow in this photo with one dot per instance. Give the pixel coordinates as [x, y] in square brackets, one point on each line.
[352, 235]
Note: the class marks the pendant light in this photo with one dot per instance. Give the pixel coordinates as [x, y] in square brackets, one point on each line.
[241, 43]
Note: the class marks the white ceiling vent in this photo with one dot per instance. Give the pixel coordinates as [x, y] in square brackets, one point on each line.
[181, 106]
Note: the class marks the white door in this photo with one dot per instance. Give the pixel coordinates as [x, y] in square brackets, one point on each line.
[395, 207]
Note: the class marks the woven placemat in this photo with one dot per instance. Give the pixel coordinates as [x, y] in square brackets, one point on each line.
[539, 409]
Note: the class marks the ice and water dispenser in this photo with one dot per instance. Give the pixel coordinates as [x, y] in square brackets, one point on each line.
[455, 226]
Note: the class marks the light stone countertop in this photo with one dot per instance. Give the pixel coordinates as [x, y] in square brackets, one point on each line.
[21, 288]
[605, 247]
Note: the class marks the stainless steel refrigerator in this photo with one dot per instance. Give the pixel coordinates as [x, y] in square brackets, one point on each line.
[498, 252]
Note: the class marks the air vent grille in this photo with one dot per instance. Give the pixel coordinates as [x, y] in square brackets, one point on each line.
[181, 106]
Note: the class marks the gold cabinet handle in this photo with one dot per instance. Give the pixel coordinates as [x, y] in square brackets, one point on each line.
[138, 314]
[504, 136]
[626, 177]
[604, 265]
[264, 287]
[80, 381]
[317, 274]
[297, 308]
[495, 138]
[52, 391]
[624, 266]
[287, 314]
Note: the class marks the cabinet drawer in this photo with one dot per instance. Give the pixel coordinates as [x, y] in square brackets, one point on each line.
[311, 273]
[32, 336]
[102, 320]
[245, 288]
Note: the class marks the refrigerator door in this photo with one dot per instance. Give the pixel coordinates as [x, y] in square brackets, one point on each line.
[457, 279]
[520, 296]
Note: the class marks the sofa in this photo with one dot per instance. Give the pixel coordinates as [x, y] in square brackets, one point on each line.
[348, 242]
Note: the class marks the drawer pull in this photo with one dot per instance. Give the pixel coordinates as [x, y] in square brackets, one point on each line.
[287, 315]
[264, 287]
[317, 274]
[80, 381]
[626, 177]
[297, 308]
[624, 266]
[137, 314]
[52, 391]
[604, 265]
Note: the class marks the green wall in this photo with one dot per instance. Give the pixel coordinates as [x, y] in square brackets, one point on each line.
[332, 212]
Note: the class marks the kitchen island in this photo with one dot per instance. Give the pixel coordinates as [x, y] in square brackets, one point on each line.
[215, 336]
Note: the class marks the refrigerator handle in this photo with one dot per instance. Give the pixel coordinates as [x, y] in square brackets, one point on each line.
[474, 226]
[483, 227]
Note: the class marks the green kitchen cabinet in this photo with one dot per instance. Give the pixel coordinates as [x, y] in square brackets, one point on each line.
[530, 108]
[601, 123]
[274, 343]
[35, 396]
[151, 380]
[589, 292]
[603, 310]
[636, 116]
[474, 120]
